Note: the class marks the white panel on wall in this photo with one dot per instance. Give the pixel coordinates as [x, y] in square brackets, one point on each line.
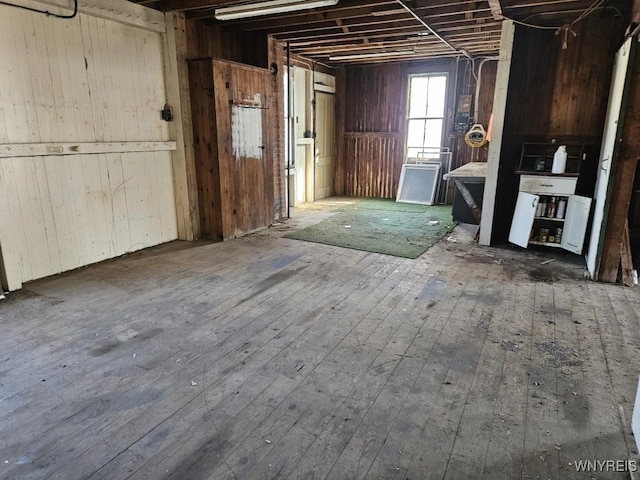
[86, 80]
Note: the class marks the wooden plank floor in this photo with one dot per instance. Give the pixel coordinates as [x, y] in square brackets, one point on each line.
[269, 358]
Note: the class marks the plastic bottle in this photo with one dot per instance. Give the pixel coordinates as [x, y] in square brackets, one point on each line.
[539, 207]
[559, 160]
[543, 207]
[561, 208]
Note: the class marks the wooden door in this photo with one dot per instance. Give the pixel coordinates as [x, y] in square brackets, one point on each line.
[325, 145]
[234, 164]
[608, 152]
[523, 219]
[246, 154]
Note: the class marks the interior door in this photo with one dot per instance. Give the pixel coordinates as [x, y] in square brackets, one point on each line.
[608, 154]
[245, 153]
[523, 219]
[325, 145]
[575, 226]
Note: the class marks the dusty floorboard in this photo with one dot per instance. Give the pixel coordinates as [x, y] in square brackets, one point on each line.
[268, 358]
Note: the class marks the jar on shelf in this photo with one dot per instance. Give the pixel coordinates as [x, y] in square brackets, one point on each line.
[544, 235]
[551, 207]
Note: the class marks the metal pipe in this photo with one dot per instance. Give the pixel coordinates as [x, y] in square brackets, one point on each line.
[478, 82]
[436, 34]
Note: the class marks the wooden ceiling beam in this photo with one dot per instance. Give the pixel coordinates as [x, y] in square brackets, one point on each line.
[379, 23]
[356, 8]
[186, 5]
[469, 40]
[443, 18]
[496, 9]
[343, 10]
[388, 31]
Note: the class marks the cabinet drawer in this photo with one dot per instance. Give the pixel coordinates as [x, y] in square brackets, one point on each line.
[548, 185]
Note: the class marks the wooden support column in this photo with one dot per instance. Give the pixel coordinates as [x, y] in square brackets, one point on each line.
[340, 173]
[495, 146]
[181, 128]
[623, 182]
[276, 128]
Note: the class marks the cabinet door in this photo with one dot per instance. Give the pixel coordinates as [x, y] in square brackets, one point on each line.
[575, 225]
[523, 219]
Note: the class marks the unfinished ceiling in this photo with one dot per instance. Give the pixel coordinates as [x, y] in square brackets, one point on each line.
[358, 32]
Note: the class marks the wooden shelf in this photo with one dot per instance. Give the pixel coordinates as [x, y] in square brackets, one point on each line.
[550, 218]
[545, 244]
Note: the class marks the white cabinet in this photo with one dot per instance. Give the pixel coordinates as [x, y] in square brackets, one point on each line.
[548, 213]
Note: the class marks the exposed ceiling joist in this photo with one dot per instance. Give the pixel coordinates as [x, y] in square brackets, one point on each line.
[415, 29]
[496, 9]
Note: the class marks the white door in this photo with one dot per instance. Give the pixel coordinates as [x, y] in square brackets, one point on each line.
[575, 226]
[325, 145]
[608, 154]
[523, 219]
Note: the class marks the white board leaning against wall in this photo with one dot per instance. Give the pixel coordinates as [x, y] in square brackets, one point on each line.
[85, 159]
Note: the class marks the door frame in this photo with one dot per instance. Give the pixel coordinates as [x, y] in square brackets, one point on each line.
[312, 169]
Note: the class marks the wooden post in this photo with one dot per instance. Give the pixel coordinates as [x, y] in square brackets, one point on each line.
[277, 126]
[180, 128]
[495, 146]
[340, 172]
[623, 182]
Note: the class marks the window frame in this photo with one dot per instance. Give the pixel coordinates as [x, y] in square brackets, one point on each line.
[443, 118]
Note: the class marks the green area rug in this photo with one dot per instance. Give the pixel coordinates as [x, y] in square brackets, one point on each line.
[382, 226]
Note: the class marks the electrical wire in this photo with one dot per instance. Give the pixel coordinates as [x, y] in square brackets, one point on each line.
[588, 11]
[44, 12]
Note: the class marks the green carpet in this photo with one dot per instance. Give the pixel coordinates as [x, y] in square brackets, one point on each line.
[382, 226]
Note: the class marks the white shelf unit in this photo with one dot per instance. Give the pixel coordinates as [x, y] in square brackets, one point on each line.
[526, 224]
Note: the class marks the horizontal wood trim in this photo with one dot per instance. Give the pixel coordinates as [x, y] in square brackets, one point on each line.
[371, 134]
[13, 150]
[319, 87]
[120, 11]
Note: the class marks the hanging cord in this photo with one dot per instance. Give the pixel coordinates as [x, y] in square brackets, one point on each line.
[45, 12]
[588, 11]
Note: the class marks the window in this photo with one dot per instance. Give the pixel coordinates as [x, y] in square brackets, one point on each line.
[425, 119]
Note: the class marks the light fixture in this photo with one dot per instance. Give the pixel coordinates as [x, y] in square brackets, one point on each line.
[268, 7]
[358, 56]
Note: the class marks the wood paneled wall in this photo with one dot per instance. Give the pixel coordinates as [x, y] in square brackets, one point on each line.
[371, 121]
[205, 40]
[556, 93]
[97, 86]
[371, 102]
[463, 153]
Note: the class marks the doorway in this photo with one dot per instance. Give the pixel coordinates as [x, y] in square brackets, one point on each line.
[324, 145]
